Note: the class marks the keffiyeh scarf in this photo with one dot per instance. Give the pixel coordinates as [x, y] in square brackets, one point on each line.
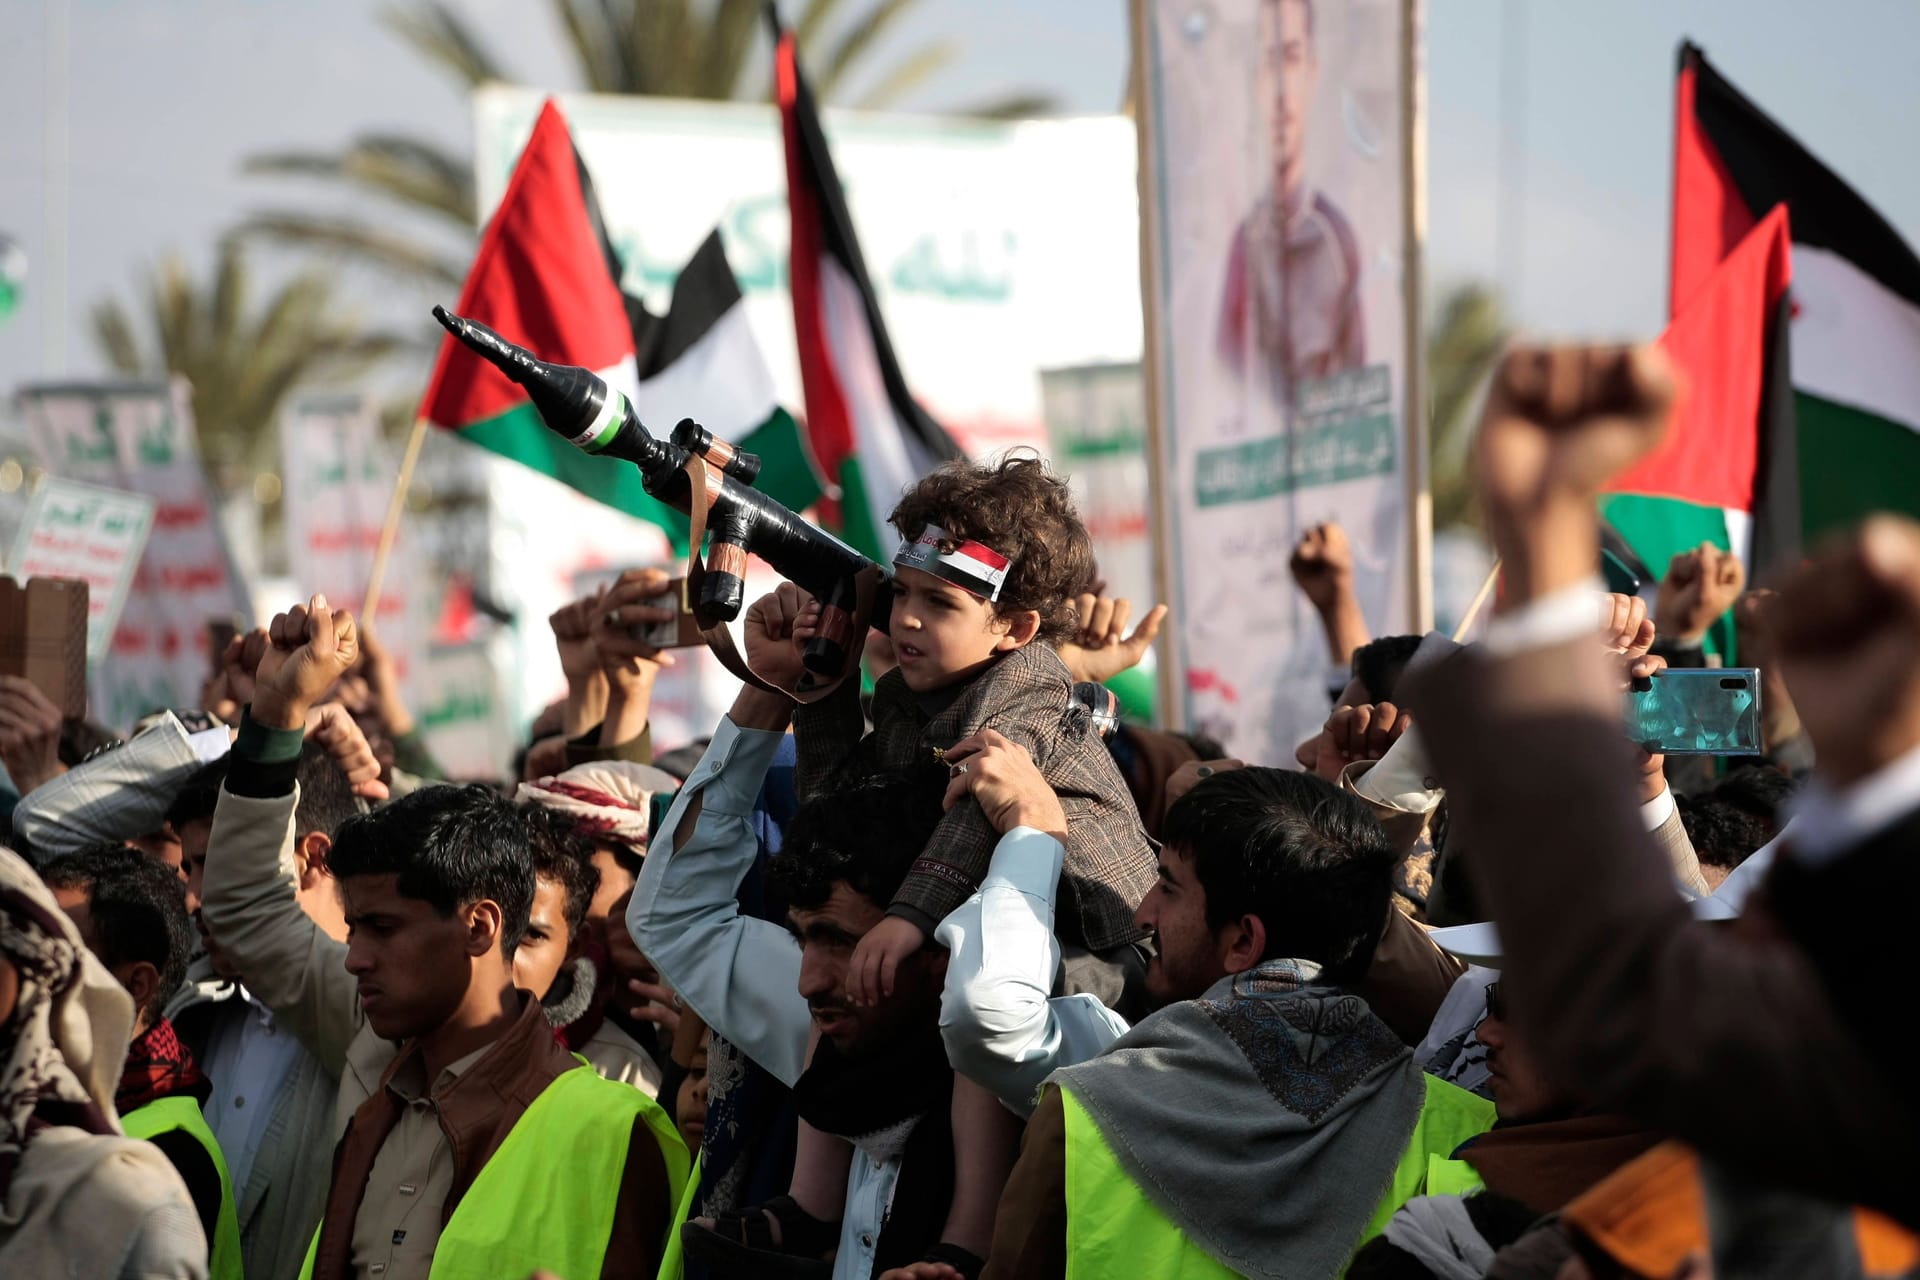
[608, 800]
[67, 1023]
[158, 1066]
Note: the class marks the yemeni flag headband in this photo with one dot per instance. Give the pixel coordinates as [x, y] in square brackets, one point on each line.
[976, 569]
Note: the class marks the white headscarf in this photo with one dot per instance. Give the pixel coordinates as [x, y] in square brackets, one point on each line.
[609, 799]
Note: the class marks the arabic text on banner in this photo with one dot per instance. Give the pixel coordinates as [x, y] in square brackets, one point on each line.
[339, 482]
[91, 534]
[139, 438]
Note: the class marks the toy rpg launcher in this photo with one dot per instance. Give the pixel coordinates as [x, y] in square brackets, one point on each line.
[578, 404]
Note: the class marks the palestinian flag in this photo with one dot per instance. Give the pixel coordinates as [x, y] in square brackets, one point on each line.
[1856, 299]
[700, 360]
[1724, 473]
[869, 437]
[545, 277]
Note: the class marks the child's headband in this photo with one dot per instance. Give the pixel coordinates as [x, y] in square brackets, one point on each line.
[976, 569]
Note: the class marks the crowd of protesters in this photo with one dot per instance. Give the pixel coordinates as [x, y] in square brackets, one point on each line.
[952, 973]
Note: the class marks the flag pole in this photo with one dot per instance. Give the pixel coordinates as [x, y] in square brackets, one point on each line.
[1169, 709]
[370, 602]
[1413, 162]
[1479, 602]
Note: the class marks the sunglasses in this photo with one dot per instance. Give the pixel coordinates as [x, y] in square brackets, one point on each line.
[1496, 1003]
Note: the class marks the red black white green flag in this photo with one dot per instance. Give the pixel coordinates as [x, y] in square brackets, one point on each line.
[868, 435]
[546, 277]
[1840, 429]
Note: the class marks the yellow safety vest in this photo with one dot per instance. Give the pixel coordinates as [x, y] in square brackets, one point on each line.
[1113, 1229]
[1452, 1178]
[182, 1114]
[672, 1264]
[545, 1200]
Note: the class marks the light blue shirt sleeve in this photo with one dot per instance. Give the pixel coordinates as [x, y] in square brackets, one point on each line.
[739, 974]
[1001, 1028]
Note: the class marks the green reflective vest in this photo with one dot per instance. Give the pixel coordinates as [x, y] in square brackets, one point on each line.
[545, 1200]
[182, 1114]
[1113, 1229]
[673, 1265]
[1452, 1178]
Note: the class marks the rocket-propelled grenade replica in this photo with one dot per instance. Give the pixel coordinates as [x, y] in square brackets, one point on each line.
[578, 404]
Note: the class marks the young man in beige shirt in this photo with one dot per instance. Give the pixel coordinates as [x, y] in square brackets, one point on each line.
[440, 1057]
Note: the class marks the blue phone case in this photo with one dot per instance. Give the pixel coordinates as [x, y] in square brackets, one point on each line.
[1696, 711]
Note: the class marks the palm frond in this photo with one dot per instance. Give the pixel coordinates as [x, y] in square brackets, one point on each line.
[1017, 105]
[113, 335]
[442, 36]
[593, 45]
[729, 38]
[351, 239]
[813, 21]
[241, 361]
[907, 75]
[411, 171]
[855, 43]
[1463, 341]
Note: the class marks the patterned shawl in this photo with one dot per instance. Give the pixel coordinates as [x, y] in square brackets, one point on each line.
[68, 1033]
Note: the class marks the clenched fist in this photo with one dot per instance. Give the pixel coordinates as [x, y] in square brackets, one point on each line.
[1700, 585]
[307, 649]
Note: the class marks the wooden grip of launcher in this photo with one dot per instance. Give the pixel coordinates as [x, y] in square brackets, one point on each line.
[826, 653]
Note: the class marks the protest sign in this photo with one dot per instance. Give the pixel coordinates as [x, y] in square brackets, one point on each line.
[1276, 179]
[94, 535]
[1096, 423]
[339, 480]
[461, 711]
[138, 437]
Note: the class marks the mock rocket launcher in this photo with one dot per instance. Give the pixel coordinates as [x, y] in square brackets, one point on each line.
[578, 404]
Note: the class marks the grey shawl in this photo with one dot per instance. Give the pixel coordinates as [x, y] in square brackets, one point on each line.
[1265, 1119]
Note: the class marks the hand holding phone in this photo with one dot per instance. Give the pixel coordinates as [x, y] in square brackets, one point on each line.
[1713, 711]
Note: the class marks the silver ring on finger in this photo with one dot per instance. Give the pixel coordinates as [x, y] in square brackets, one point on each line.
[613, 617]
[955, 770]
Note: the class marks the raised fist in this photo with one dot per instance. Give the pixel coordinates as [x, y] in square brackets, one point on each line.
[1322, 564]
[1561, 421]
[1700, 585]
[776, 627]
[308, 648]
[1846, 627]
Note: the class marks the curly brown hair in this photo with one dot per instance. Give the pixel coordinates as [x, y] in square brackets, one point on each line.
[1024, 512]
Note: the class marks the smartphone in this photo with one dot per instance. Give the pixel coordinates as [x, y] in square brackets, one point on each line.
[1696, 711]
[682, 631]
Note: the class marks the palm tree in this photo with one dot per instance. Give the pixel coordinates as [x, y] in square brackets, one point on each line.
[242, 360]
[669, 48]
[1462, 343]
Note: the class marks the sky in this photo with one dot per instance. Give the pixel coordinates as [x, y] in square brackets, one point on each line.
[166, 97]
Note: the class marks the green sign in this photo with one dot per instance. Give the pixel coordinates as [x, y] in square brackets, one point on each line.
[1297, 460]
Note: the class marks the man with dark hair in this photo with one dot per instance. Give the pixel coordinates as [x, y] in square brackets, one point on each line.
[453, 1092]
[1272, 895]
[131, 913]
[879, 1076]
[269, 1093]
[551, 960]
[1378, 664]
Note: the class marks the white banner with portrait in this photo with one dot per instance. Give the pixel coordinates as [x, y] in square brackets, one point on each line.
[1275, 179]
